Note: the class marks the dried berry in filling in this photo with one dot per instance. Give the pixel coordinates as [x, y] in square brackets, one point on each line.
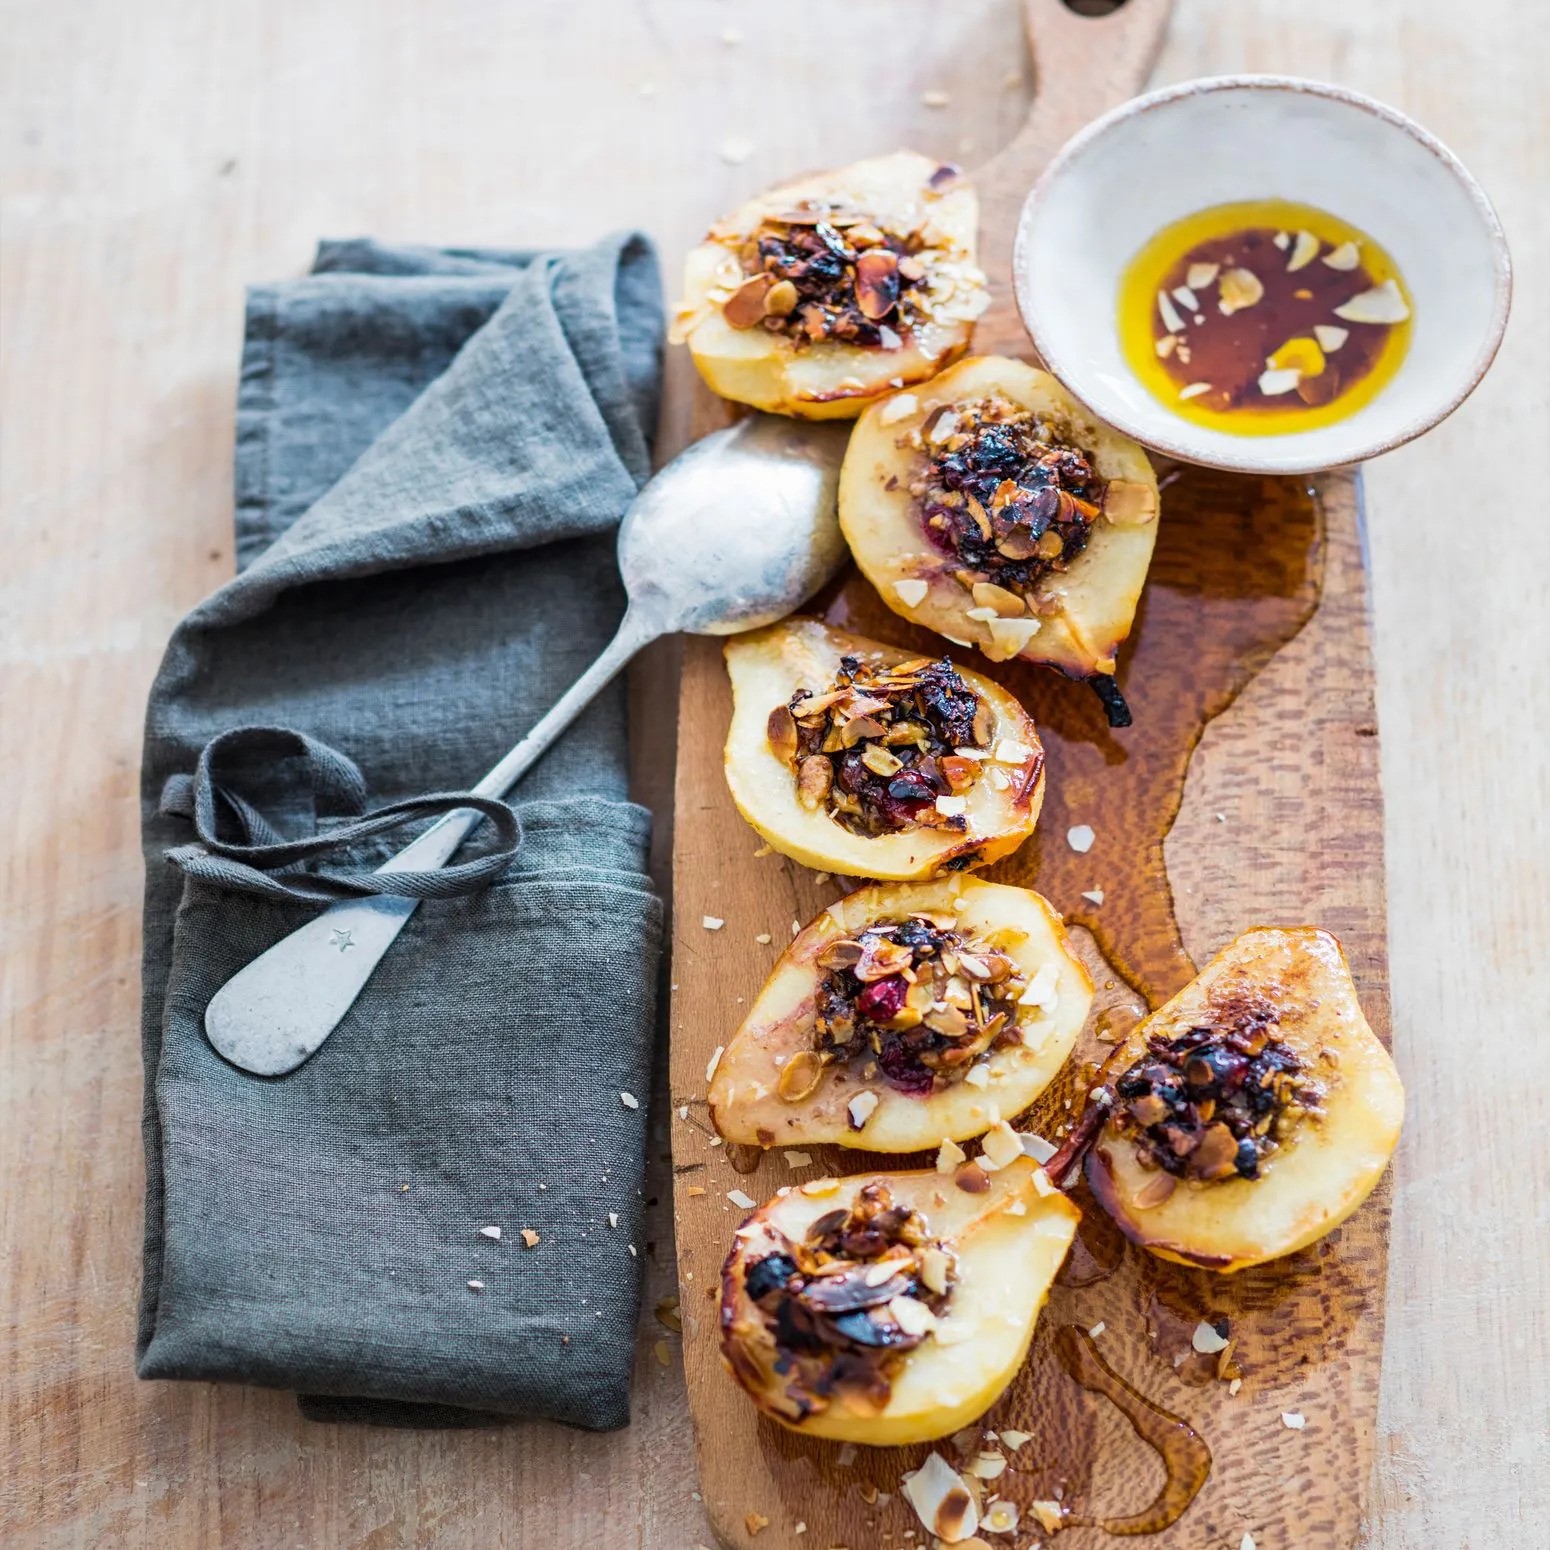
[880, 745]
[917, 1001]
[1005, 492]
[1214, 1102]
[845, 1303]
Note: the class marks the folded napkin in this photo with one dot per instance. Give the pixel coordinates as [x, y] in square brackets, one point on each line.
[433, 448]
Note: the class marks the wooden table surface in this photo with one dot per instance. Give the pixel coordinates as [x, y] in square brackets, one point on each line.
[159, 155]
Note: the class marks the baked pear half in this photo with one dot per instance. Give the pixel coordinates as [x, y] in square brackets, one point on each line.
[893, 1307]
[990, 506]
[855, 757]
[1256, 1110]
[905, 1015]
[819, 296]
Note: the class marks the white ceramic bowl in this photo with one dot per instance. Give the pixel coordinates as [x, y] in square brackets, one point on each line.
[1168, 154]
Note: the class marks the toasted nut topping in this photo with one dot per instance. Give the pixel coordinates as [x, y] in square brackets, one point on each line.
[781, 729]
[780, 300]
[1383, 304]
[1129, 503]
[911, 592]
[800, 1076]
[1200, 276]
[877, 283]
[745, 306]
[1007, 604]
[814, 777]
[1346, 256]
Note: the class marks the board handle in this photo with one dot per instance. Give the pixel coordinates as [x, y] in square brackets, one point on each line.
[1083, 65]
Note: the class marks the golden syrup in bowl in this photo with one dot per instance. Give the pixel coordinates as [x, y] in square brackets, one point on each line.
[1263, 317]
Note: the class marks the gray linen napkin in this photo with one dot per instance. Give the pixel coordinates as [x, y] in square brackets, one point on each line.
[433, 449]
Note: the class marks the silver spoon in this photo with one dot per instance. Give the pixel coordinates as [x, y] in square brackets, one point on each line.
[732, 534]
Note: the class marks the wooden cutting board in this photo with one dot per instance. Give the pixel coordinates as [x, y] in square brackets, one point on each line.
[1246, 793]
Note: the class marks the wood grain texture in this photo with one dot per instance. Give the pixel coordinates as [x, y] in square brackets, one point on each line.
[155, 157]
[1235, 579]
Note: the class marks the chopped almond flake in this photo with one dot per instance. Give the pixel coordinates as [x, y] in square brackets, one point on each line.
[1080, 838]
[1206, 1340]
[1037, 1147]
[978, 1076]
[738, 1198]
[949, 1156]
[712, 922]
[1293, 1420]
[1000, 1147]
[763, 851]
[860, 1109]
[798, 1160]
[1015, 1439]
[715, 1060]
[1048, 1514]
[613, 1218]
[476, 1286]
[911, 592]
[693, 1189]
[530, 1238]
[764, 939]
[629, 1100]
[1097, 1329]
[1235, 1385]
[942, 1499]
[490, 1232]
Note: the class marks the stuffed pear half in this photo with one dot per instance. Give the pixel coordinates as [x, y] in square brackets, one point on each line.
[904, 1016]
[891, 1308]
[855, 757]
[991, 507]
[1254, 1112]
[817, 297]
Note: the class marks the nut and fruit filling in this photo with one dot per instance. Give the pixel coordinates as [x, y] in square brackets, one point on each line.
[821, 273]
[914, 1002]
[1215, 1102]
[1006, 494]
[846, 1303]
[885, 749]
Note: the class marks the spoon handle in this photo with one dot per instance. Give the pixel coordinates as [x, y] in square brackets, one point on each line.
[270, 1016]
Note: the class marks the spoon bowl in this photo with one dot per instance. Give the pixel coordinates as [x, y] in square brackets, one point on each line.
[738, 530]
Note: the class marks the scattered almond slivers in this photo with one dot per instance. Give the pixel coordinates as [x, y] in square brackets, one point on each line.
[1304, 251]
[1382, 304]
[1129, 503]
[1237, 289]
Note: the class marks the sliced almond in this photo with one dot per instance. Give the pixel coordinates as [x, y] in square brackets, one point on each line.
[1194, 390]
[942, 1499]
[912, 1315]
[911, 592]
[745, 306]
[1186, 298]
[1330, 336]
[860, 1108]
[900, 407]
[1129, 503]
[1206, 1338]
[1000, 1147]
[1274, 382]
[934, 1268]
[1169, 313]
[950, 1156]
[1166, 345]
[1199, 276]
[1346, 256]
[1382, 304]
[1304, 250]
[1008, 637]
[1007, 604]
[1237, 289]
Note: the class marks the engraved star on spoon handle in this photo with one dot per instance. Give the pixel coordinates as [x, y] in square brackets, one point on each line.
[734, 533]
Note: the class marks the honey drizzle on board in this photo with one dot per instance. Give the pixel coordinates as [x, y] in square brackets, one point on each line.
[1186, 1457]
[1237, 572]
[1241, 235]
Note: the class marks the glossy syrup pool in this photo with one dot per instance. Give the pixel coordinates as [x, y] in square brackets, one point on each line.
[1285, 360]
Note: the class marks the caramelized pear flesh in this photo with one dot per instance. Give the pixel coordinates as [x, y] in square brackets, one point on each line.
[816, 297]
[990, 506]
[840, 1048]
[1256, 1110]
[891, 1308]
[855, 757]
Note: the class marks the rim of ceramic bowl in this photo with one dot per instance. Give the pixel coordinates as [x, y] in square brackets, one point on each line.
[1180, 446]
